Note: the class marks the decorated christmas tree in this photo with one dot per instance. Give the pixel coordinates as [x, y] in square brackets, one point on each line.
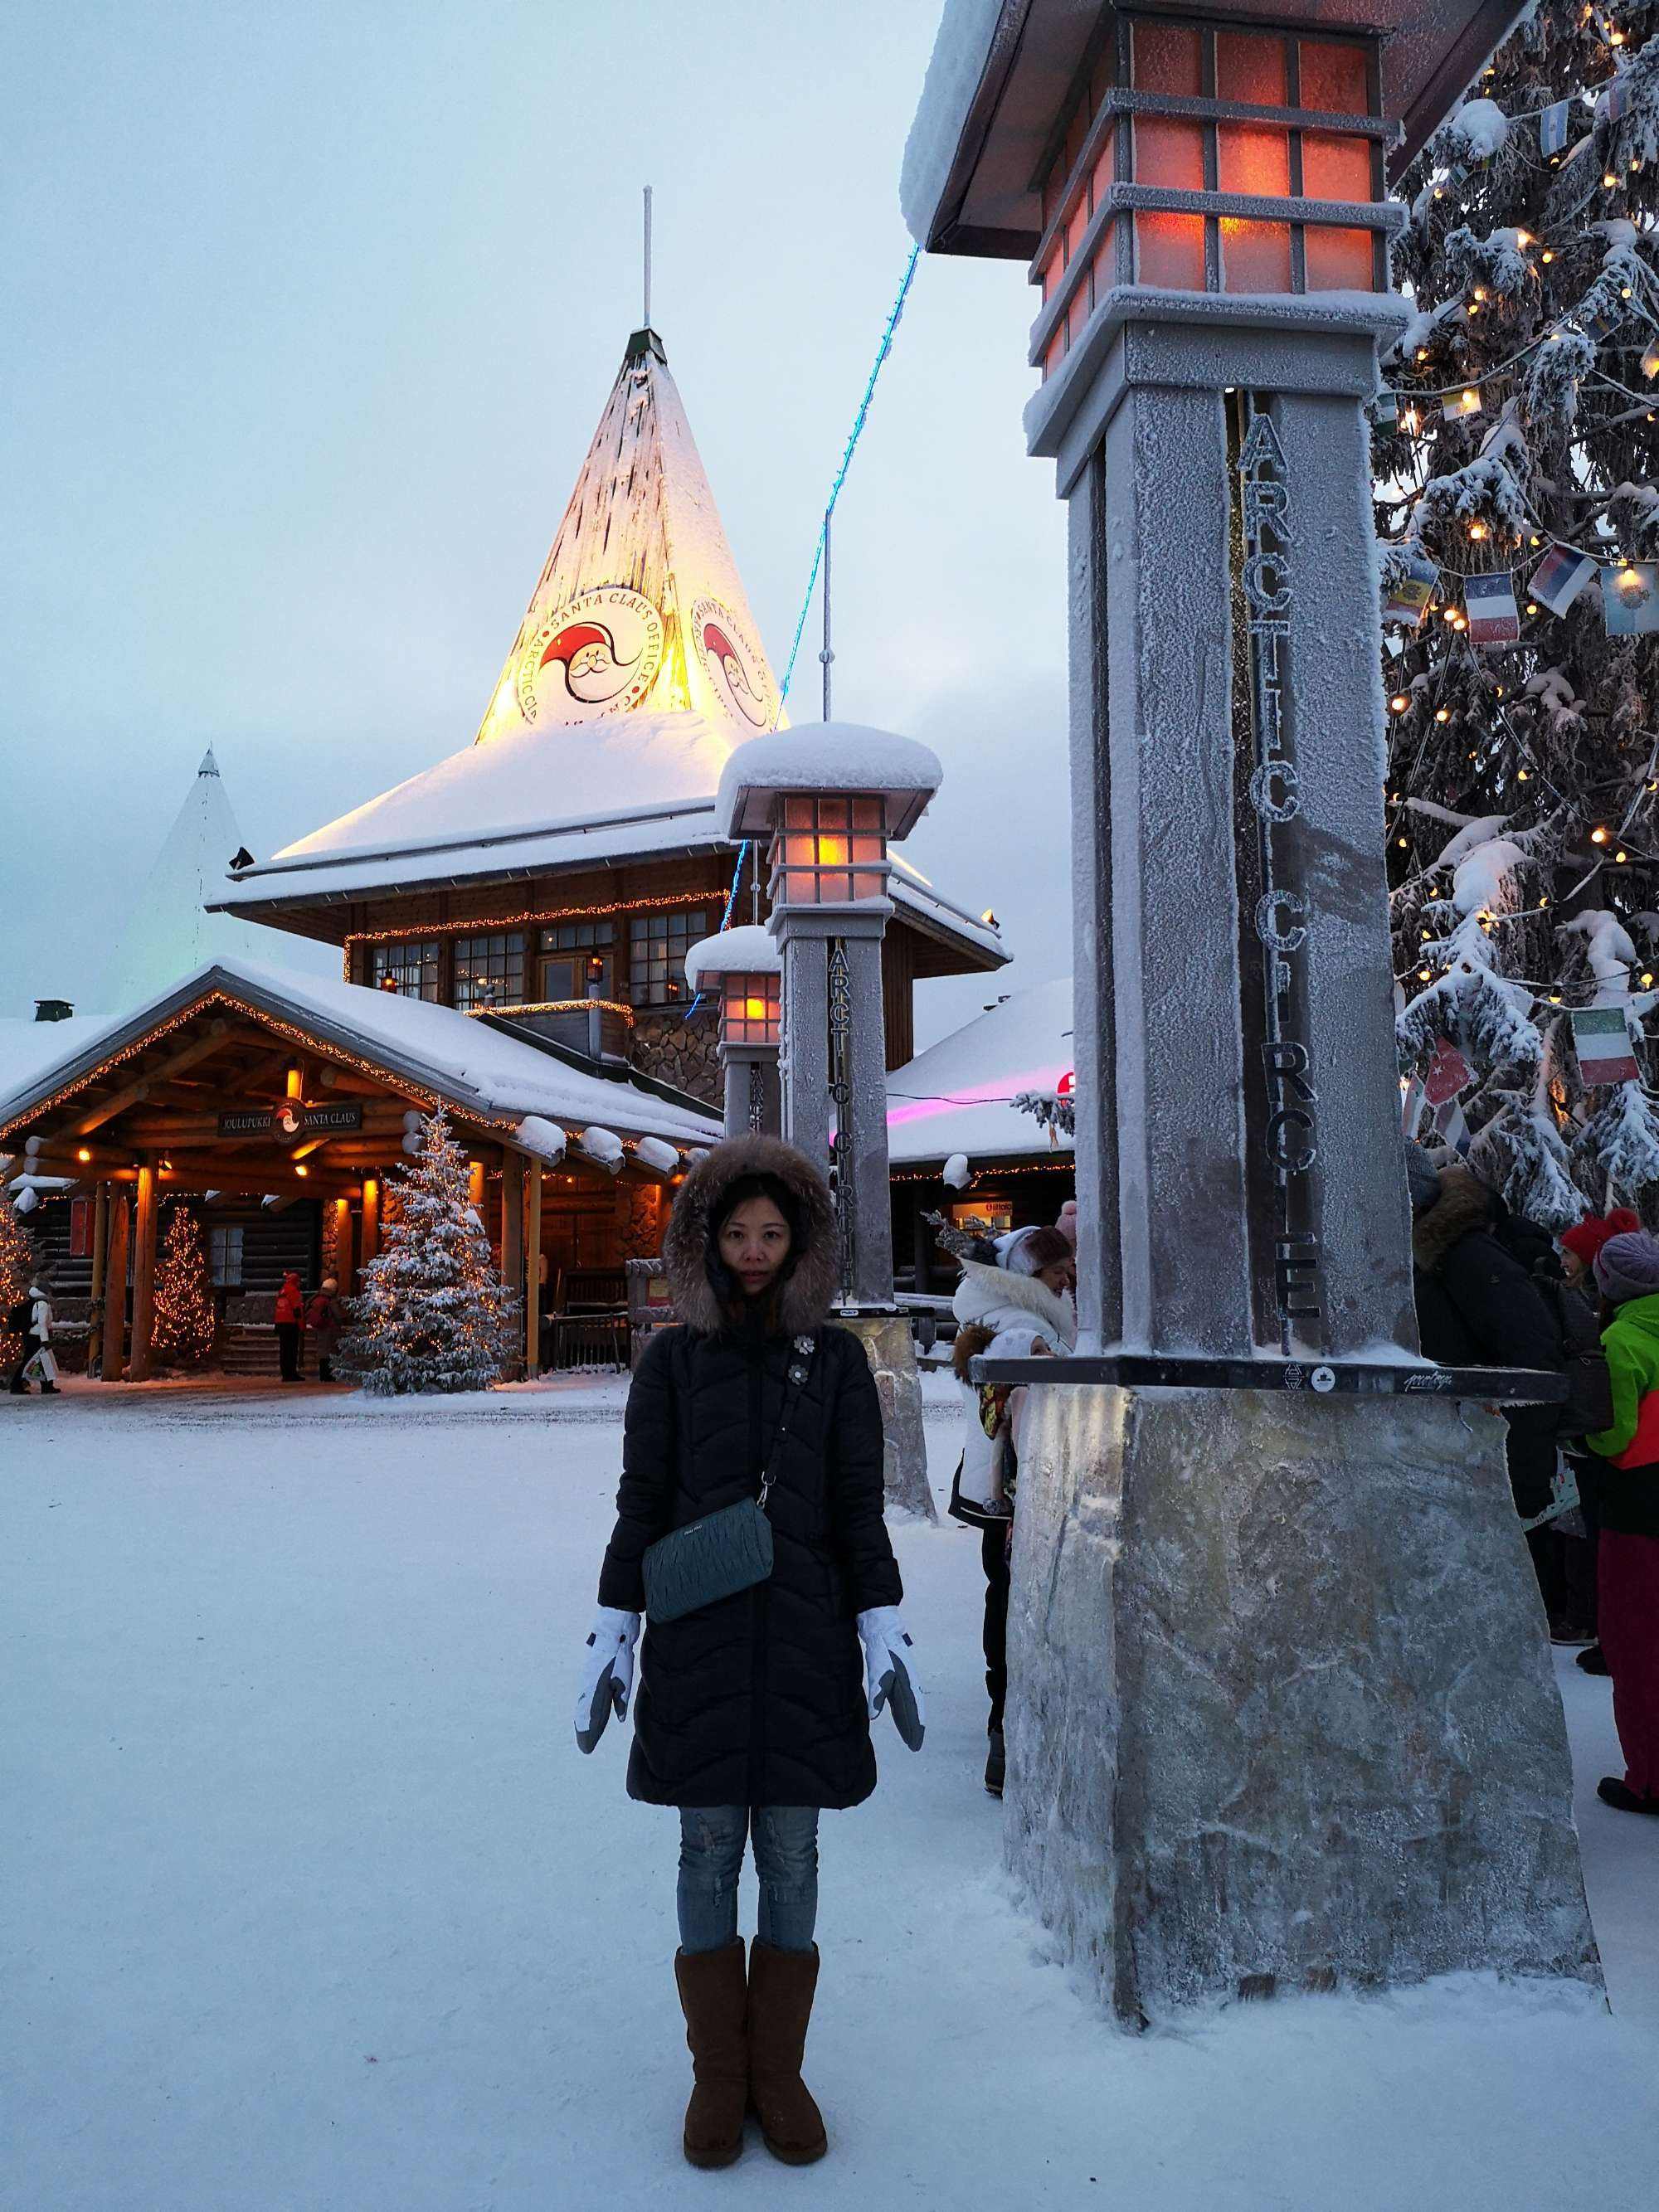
[1514, 451]
[432, 1314]
[182, 1332]
[16, 1264]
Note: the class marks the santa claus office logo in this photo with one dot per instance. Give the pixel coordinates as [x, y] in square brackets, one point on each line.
[733, 664]
[598, 654]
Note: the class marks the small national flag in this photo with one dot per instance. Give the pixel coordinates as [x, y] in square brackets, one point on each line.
[1559, 577]
[1411, 589]
[1489, 602]
[1451, 1127]
[1552, 126]
[1385, 410]
[1602, 1040]
[1598, 323]
[1614, 100]
[1456, 405]
[1449, 1072]
[1630, 599]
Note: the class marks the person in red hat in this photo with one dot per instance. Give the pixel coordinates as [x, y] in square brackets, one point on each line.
[1580, 1245]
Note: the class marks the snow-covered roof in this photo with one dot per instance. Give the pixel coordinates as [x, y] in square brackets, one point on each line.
[750, 949]
[826, 757]
[476, 1068]
[429, 853]
[956, 1096]
[28, 1048]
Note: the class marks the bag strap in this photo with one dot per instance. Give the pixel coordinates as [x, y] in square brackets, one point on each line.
[801, 1354]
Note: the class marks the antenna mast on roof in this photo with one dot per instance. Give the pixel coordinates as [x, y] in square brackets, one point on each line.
[647, 324]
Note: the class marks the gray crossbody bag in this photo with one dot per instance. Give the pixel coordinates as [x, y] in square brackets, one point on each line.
[728, 1551]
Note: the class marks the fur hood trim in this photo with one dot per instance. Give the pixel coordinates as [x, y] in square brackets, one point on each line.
[813, 1272]
[998, 1300]
[1463, 1204]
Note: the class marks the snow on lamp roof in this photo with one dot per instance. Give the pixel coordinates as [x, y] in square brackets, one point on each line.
[748, 949]
[827, 756]
[639, 607]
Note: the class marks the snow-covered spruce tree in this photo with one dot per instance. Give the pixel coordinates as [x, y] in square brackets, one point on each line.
[16, 1266]
[432, 1314]
[1523, 772]
[182, 1331]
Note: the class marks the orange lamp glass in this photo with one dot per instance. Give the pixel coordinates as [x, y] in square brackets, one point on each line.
[752, 1011]
[830, 850]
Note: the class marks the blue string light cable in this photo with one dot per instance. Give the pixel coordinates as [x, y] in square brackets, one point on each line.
[858, 420]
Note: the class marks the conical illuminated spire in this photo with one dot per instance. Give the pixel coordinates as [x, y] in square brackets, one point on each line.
[640, 609]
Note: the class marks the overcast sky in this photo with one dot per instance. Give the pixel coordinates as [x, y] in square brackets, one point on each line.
[312, 312]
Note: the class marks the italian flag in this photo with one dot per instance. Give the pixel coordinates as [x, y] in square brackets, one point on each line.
[1603, 1045]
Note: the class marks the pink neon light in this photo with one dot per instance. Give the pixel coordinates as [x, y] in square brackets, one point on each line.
[928, 1109]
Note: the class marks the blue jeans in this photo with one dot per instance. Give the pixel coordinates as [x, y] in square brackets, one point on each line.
[711, 1858]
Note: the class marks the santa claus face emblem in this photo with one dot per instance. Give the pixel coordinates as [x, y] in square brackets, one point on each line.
[734, 666]
[598, 654]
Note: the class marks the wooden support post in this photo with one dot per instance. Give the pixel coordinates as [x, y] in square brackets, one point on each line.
[115, 1287]
[99, 1238]
[143, 1274]
[341, 1246]
[371, 1231]
[512, 1223]
[532, 1277]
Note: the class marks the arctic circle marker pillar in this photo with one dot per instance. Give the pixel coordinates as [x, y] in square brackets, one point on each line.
[1281, 1709]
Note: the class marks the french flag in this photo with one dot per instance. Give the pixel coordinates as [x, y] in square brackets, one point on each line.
[1489, 602]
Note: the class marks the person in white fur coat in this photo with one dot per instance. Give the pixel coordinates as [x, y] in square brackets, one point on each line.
[1020, 1306]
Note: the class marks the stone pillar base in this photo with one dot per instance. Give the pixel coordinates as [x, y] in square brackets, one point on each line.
[892, 1355]
[1281, 1711]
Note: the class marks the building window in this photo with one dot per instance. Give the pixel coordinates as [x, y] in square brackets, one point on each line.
[225, 1256]
[490, 970]
[575, 954]
[408, 966]
[656, 947]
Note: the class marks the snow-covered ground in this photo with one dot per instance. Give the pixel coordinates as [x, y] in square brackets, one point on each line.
[312, 1903]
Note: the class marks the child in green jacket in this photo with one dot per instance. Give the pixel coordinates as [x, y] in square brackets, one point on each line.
[1627, 1503]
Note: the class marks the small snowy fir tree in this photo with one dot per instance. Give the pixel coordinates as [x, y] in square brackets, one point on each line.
[16, 1266]
[1516, 448]
[182, 1327]
[433, 1314]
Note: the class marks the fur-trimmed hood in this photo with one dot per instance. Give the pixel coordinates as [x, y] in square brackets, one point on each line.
[991, 1298]
[812, 1272]
[1463, 1204]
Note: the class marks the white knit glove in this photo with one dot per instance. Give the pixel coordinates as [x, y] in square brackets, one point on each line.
[607, 1678]
[890, 1672]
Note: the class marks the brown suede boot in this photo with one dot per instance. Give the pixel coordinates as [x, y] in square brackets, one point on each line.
[715, 1997]
[780, 1987]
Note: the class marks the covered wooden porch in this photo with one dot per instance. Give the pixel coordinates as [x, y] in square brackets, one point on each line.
[228, 1094]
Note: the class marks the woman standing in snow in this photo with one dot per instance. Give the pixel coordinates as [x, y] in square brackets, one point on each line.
[325, 1316]
[1020, 1306]
[754, 1711]
[33, 1317]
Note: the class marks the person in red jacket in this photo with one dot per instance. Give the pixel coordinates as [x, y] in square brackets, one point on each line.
[290, 1320]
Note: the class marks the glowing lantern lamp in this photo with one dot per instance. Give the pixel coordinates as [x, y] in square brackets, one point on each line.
[744, 969]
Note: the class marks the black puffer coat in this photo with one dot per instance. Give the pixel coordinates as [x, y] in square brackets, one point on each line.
[758, 1699]
[1477, 1306]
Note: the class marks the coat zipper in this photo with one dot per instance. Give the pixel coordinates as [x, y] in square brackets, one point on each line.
[757, 1669]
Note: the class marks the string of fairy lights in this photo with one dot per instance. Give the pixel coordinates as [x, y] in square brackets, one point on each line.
[1622, 290]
